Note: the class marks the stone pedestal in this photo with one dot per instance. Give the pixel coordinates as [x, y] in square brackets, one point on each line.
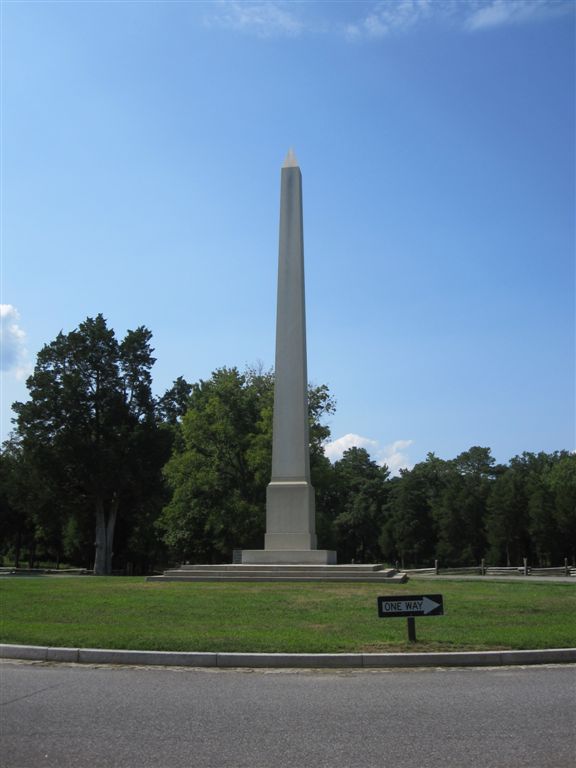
[288, 557]
[290, 515]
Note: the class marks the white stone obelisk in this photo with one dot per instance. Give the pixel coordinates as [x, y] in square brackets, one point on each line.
[290, 512]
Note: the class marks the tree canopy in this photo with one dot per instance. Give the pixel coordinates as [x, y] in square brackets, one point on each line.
[101, 473]
[89, 429]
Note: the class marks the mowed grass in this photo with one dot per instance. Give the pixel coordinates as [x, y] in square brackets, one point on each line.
[293, 617]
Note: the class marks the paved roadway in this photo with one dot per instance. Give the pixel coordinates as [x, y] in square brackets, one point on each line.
[72, 716]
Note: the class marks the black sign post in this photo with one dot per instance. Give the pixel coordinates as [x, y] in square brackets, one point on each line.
[410, 606]
[411, 629]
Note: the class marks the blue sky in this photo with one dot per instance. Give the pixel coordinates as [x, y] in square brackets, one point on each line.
[141, 151]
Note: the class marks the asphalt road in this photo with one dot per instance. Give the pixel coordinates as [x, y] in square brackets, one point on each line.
[72, 716]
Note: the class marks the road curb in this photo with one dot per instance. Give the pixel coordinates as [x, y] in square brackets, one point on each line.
[288, 660]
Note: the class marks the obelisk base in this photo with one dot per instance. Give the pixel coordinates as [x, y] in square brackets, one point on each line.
[290, 524]
[288, 557]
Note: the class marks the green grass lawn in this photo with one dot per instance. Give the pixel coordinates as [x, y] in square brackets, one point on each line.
[294, 617]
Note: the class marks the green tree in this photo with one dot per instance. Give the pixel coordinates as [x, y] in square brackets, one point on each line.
[16, 525]
[561, 480]
[507, 520]
[361, 490]
[522, 519]
[174, 402]
[460, 508]
[217, 474]
[90, 427]
[409, 533]
[33, 515]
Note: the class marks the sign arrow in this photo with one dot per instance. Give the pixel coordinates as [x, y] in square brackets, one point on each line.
[429, 605]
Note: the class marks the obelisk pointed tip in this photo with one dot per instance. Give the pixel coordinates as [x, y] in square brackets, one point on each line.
[290, 161]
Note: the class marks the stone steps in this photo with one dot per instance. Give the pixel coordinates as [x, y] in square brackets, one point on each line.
[288, 568]
[282, 573]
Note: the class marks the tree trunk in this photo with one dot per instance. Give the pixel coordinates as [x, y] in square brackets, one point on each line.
[110, 531]
[17, 550]
[105, 525]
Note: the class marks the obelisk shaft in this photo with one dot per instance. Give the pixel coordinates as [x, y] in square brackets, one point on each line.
[290, 516]
[290, 443]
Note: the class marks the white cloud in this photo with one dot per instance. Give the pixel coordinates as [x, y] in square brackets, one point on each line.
[393, 454]
[394, 17]
[388, 17]
[335, 449]
[504, 12]
[264, 19]
[273, 18]
[13, 352]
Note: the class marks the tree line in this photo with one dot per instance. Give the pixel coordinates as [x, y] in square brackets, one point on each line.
[99, 473]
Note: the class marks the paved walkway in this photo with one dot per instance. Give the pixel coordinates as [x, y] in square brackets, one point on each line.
[526, 579]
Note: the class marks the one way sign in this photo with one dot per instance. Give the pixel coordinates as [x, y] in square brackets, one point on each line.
[410, 605]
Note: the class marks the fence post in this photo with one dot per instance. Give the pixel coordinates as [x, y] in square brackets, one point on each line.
[482, 568]
[436, 569]
[566, 569]
[525, 566]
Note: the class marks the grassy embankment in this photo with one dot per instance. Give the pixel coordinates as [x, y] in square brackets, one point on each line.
[296, 617]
